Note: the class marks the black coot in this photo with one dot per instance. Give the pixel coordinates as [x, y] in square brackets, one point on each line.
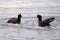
[15, 20]
[46, 22]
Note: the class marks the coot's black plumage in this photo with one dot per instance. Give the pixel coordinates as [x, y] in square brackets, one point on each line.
[15, 20]
[46, 22]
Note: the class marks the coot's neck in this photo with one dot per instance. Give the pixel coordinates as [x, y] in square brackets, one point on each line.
[39, 19]
[19, 19]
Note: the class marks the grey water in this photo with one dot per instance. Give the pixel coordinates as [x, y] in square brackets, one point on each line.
[29, 29]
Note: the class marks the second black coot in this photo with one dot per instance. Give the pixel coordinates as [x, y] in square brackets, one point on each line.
[15, 20]
[45, 22]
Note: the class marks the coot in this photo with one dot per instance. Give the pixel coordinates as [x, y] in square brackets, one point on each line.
[15, 20]
[45, 22]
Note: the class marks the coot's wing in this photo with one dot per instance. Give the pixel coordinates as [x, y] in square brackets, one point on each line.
[47, 21]
[44, 23]
[12, 20]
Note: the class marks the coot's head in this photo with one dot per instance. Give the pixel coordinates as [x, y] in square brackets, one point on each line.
[51, 19]
[39, 17]
[19, 16]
